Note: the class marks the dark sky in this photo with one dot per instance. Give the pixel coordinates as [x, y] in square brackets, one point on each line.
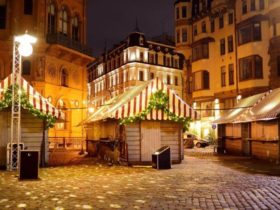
[113, 20]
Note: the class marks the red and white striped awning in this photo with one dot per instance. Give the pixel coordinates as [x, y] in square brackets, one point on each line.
[136, 100]
[35, 98]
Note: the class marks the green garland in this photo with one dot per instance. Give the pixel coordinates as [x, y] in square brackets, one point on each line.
[7, 102]
[159, 100]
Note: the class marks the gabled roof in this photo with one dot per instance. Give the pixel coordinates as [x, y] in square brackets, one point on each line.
[136, 100]
[35, 98]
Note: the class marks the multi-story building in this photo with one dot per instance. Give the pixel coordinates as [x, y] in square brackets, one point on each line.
[231, 50]
[132, 62]
[57, 68]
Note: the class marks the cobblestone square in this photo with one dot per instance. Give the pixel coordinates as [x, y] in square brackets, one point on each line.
[200, 182]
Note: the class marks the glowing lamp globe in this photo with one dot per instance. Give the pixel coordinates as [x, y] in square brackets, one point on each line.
[25, 49]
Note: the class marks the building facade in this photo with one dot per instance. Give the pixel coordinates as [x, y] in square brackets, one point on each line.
[57, 67]
[132, 62]
[231, 50]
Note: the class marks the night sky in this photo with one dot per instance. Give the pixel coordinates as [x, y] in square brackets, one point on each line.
[113, 20]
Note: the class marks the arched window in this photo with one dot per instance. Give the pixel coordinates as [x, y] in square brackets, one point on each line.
[63, 21]
[51, 18]
[64, 78]
[75, 28]
[61, 105]
[26, 67]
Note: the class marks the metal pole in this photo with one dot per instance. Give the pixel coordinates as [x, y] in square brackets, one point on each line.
[15, 137]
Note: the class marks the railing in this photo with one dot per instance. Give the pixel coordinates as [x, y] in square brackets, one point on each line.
[67, 142]
[61, 39]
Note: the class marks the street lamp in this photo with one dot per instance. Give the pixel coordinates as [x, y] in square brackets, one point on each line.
[22, 46]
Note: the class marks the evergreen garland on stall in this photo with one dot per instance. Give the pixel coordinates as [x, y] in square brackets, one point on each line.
[159, 101]
[25, 104]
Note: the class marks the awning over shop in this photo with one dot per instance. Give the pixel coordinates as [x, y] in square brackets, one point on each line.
[35, 99]
[137, 99]
[240, 111]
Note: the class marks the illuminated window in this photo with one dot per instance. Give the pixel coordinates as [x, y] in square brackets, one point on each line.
[51, 18]
[62, 106]
[63, 21]
[75, 29]
[201, 80]
[28, 7]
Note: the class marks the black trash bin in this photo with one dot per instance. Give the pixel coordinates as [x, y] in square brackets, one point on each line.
[161, 159]
[29, 164]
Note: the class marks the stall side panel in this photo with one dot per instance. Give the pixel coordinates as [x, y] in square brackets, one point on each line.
[133, 142]
[169, 136]
[4, 136]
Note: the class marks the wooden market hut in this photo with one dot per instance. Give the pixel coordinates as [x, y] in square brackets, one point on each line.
[34, 123]
[252, 128]
[144, 130]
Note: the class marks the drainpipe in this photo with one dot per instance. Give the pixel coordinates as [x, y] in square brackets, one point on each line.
[236, 54]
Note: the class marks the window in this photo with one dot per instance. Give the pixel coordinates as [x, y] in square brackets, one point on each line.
[63, 22]
[195, 30]
[168, 80]
[223, 76]
[212, 25]
[251, 68]
[184, 35]
[28, 7]
[244, 7]
[62, 125]
[201, 80]
[176, 63]
[178, 36]
[64, 78]
[151, 58]
[152, 75]
[184, 12]
[203, 27]
[141, 76]
[176, 81]
[253, 5]
[261, 4]
[230, 74]
[75, 29]
[141, 56]
[249, 33]
[200, 51]
[51, 18]
[230, 18]
[167, 62]
[222, 47]
[230, 43]
[26, 67]
[177, 13]
[3, 10]
[221, 21]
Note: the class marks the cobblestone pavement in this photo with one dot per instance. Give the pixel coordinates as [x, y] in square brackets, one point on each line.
[206, 182]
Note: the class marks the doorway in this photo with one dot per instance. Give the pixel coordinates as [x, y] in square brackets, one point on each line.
[150, 139]
[246, 135]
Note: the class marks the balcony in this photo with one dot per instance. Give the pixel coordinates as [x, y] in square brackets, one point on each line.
[69, 43]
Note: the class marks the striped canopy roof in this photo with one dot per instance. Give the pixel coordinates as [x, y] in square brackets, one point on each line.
[136, 100]
[36, 99]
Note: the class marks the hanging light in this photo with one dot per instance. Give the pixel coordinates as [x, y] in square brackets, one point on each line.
[25, 48]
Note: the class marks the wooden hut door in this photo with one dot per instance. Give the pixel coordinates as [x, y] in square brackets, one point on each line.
[150, 139]
[246, 134]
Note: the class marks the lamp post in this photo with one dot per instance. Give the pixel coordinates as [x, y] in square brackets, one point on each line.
[22, 46]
